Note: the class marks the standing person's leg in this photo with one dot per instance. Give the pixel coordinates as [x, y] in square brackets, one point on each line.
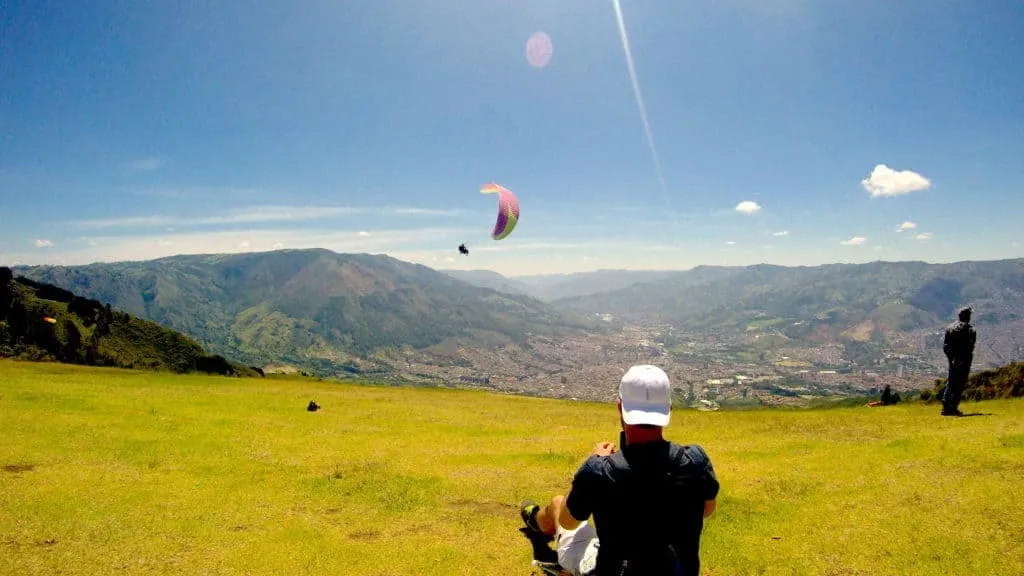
[947, 394]
[963, 373]
[954, 388]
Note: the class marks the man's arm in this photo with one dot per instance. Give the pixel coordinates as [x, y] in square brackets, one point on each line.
[710, 481]
[579, 502]
[565, 518]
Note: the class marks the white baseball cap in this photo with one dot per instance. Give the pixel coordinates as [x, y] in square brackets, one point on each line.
[646, 396]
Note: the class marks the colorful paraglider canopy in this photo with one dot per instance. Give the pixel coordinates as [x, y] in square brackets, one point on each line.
[508, 210]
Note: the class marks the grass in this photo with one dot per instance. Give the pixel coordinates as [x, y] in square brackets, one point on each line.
[764, 323]
[106, 471]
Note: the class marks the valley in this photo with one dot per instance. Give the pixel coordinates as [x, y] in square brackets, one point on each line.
[760, 335]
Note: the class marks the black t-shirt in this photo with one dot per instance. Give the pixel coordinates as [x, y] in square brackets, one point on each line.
[648, 506]
[959, 342]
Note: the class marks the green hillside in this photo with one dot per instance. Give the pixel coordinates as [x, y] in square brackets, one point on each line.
[315, 309]
[1003, 382]
[207, 476]
[43, 322]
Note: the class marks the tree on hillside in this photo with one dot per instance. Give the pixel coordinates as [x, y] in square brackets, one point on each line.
[71, 350]
[91, 350]
[103, 320]
[5, 291]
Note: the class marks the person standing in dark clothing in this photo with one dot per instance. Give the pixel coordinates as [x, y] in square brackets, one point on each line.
[958, 345]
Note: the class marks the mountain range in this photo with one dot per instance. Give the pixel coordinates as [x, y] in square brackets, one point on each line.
[553, 287]
[344, 314]
[316, 309]
[868, 308]
[926, 294]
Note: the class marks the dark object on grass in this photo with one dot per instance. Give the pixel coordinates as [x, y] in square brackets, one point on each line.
[889, 397]
[312, 407]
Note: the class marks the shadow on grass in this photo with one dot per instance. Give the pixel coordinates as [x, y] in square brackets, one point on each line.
[18, 468]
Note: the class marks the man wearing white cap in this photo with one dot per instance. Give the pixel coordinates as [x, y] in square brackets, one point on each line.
[649, 500]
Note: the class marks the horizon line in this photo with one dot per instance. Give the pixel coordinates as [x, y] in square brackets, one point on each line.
[442, 269]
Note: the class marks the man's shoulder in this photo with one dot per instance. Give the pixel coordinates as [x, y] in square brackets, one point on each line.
[689, 454]
[692, 447]
[959, 326]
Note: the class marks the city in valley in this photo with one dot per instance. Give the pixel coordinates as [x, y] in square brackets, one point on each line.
[742, 336]
[760, 367]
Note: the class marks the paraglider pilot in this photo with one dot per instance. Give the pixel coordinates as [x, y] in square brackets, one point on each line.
[463, 249]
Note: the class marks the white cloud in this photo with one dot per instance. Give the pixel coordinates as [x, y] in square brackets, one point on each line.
[147, 247]
[419, 212]
[364, 233]
[527, 246]
[781, 233]
[885, 181]
[129, 222]
[855, 241]
[146, 164]
[906, 226]
[257, 214]
[43, 244]
[748, 207]
[924, 236]
[659, 248]
[730, 243]
[195, 191]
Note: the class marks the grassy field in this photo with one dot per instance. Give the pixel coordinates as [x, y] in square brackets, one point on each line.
[116, 472]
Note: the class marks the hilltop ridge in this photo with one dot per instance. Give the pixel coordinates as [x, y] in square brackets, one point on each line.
[40, 321]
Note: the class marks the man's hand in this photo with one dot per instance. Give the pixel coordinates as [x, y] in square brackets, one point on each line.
[604, 449]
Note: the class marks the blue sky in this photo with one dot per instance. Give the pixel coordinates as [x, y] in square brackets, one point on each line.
[136, 130]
